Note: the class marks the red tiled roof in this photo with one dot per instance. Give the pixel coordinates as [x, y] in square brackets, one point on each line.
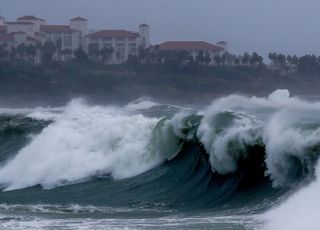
[30, 17]
[78, 19]
[113, 34]
[20, 23]
[55, 28]
[189, 45]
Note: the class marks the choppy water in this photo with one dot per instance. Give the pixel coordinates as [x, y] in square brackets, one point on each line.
[240, 163]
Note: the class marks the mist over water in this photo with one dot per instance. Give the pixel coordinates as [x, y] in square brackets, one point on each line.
[232, 165]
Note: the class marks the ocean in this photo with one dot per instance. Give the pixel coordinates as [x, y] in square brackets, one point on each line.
[240, 163]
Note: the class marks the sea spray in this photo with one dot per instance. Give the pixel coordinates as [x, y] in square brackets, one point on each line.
[89, 141]
[83, 142]
[299, 211]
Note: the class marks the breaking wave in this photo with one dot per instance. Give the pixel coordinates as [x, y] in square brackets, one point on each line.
[170, 155]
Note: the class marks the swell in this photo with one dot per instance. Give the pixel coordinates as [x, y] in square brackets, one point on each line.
[184, 183]
[233, 154]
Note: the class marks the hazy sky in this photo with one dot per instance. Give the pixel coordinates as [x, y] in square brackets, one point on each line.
[288, 26]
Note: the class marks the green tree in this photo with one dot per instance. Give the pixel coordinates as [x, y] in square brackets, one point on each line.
[245, 59]
[21, 51]
[47, 51]
[31, 52]
[94, 51]
[200, 57]
[255, 59]
[80, 55]
[207, 58]
[106, 53]
[217, 60]
[4, 53]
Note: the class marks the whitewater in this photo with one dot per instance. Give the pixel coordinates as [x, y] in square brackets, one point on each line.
[239, 163]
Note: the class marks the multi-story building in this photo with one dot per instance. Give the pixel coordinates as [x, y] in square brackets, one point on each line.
[123, 43]
[14, 39]
[62, 35]
[25, 27]
[194, 47]
[118, 45]
[69, 37]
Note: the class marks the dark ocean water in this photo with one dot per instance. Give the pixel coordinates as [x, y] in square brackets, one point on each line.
[240, 163]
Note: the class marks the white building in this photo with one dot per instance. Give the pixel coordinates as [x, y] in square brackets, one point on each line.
[69, 37]
[223, 45]
[144, 32]
[26, 27]
[37, 22]
[193, 47]
[122, 42]
[61, 35]
[13, 40]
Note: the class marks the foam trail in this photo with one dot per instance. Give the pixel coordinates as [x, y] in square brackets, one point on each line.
[84, 142]
[300, 211]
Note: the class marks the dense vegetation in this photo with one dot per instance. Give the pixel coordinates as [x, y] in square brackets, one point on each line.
[174, 76]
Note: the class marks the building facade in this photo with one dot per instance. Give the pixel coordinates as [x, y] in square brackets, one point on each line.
[69, 37]
[122, 43]
[14, 39]
[193, 48]
[111, 46]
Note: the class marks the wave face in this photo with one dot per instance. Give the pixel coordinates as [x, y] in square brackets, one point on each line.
[239, 155]
[83, 142]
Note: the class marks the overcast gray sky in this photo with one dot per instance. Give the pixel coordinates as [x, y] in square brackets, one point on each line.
[288, 26]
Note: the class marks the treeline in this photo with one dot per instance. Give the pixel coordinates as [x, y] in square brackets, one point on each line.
[46, 53]
[156, 59]
[307, 64]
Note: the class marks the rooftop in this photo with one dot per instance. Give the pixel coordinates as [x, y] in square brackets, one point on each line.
[19, 23]
[30, 17]
[55, 28]
[113, 34]
[189, 45]
[78, 19]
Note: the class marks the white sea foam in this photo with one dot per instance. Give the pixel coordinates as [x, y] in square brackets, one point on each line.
[280, 121]
[39, 113]
[300, 211]
[83, 142]
[140, 104]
